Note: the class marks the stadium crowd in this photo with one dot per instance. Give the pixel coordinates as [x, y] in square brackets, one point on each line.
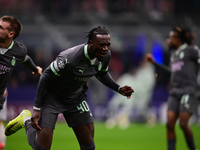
[100, 6]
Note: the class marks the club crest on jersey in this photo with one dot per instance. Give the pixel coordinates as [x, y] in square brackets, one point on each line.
[61, 64]
[181, 55]
[13, 61]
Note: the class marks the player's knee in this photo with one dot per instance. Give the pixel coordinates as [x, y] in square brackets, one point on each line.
[169, 126]
[88, 147]
[183, 124]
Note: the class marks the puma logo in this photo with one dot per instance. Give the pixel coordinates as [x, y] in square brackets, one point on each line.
[81, 70]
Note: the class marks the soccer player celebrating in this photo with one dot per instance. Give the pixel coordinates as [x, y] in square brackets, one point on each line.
[184, 62]
[62, 89]
[12, 52]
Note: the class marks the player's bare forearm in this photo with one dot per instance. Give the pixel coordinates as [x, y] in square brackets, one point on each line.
[126, 91]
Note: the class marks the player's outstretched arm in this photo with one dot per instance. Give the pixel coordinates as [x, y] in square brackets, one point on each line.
[126, 91]
[149, 58]
[35, 119]
[39, 73]
[106, 79]
[28, 62]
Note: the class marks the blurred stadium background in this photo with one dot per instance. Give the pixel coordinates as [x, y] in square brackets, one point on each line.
[136, 27]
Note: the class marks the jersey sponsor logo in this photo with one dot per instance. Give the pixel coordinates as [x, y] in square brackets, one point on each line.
[82, 79]
[4, 69]
[177, 66]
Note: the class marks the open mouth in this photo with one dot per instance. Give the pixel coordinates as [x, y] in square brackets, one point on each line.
[103, 55]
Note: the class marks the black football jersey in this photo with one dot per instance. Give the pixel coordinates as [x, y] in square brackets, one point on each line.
[184, 64]
[68, 74]
[73, 69]
[8, 60]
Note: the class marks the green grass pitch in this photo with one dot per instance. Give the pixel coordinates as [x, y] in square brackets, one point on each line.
[136, 137]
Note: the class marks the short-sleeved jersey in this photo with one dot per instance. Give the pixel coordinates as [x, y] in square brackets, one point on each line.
[73, 68]
[8, 60]
[184, 67]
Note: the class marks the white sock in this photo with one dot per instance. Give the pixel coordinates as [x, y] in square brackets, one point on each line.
[2, 135]
[25, 119]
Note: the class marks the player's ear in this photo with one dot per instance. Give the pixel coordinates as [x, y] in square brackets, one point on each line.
[91, 42]
[11, 34]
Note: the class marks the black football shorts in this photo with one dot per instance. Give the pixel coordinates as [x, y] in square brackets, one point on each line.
[76, 116]
[183, 103]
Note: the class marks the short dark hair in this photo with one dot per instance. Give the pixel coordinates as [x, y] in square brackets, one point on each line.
[185, 34]
[95, 31]
[15, 25]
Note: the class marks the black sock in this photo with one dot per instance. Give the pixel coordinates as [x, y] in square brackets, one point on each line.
[27, 124]
[171, 144]
[30, 133]
[190, 143]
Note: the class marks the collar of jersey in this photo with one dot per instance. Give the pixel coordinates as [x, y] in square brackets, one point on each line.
[11, 45]
[181, 48]
[87, 55]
